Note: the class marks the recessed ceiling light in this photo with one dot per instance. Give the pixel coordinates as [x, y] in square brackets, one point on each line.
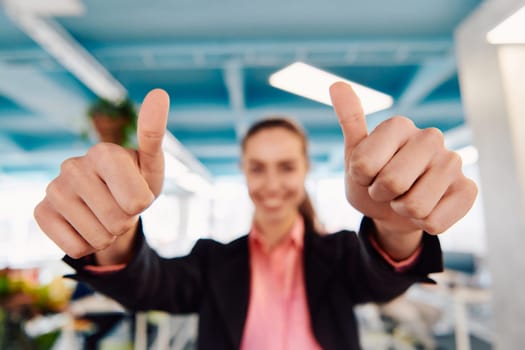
[302, 79]
[510, 31]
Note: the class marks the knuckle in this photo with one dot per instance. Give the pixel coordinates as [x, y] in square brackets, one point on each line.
[415, 208]
[70, 167]
[433, 136]
[393, 184]
[468, 190]
[51, 187]
[39, 213]
[434, 226]
[54, 190]
[137, 205]
[400, 122]
[101, 151]
[472, 188]
[454, 161]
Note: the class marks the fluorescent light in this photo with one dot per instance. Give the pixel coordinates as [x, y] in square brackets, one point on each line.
[510, 31]
[302, 79]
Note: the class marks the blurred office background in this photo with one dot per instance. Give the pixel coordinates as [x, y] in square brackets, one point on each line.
[433, 58]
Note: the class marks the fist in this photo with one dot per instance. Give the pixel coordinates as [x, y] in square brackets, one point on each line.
[97, 198]
[400, 175]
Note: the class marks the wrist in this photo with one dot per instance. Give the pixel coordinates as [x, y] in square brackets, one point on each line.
[398, 241]
[120, 252]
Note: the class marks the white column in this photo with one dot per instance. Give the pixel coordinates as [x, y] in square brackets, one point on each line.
[492, 80]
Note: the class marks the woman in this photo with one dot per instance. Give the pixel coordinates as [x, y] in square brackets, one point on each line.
[283, 286]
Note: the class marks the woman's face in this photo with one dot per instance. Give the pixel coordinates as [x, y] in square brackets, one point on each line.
[275, 167]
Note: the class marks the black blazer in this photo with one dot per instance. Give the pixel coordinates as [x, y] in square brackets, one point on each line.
[341, 270]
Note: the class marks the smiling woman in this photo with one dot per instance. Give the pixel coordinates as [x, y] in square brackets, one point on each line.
[284, 278]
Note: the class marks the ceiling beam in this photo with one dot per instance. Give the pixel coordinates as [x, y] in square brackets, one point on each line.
[423, 113]
[437, 109]
[442, 45]
[48, 158]
[7, 145]
[30, 124]
[38, 93]
[222, 117]
[234, 81]
[428, 78]
[321, 116]
[271, 53]
[54, 39]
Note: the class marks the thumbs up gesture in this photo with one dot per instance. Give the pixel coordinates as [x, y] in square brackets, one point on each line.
[94, 203]
[401, 176]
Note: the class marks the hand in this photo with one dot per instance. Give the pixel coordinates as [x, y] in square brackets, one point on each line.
[96, 199]
[401, 176]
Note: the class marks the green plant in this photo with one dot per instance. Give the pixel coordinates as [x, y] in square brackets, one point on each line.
[120, 117]
[21, 299]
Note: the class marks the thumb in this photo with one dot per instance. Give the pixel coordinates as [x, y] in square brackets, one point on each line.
[350, 113]
[151, 127]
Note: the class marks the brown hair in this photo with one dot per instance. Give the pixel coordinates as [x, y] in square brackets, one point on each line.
[306, 208]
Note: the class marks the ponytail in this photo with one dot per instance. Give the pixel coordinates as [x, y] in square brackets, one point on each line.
[307, 211]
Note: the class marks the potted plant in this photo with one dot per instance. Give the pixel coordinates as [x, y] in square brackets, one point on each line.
[114, 122]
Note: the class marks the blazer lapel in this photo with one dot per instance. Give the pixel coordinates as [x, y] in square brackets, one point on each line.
[319, 264]
[231, 286]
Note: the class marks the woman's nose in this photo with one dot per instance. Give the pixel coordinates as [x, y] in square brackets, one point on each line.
[272, 181]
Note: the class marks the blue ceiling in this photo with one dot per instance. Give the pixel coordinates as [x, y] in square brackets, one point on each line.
[214, 58]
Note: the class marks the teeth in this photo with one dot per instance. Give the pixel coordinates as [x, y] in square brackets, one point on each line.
[272, 202]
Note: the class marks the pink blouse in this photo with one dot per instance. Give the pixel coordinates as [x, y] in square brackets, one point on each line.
[278, 316]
